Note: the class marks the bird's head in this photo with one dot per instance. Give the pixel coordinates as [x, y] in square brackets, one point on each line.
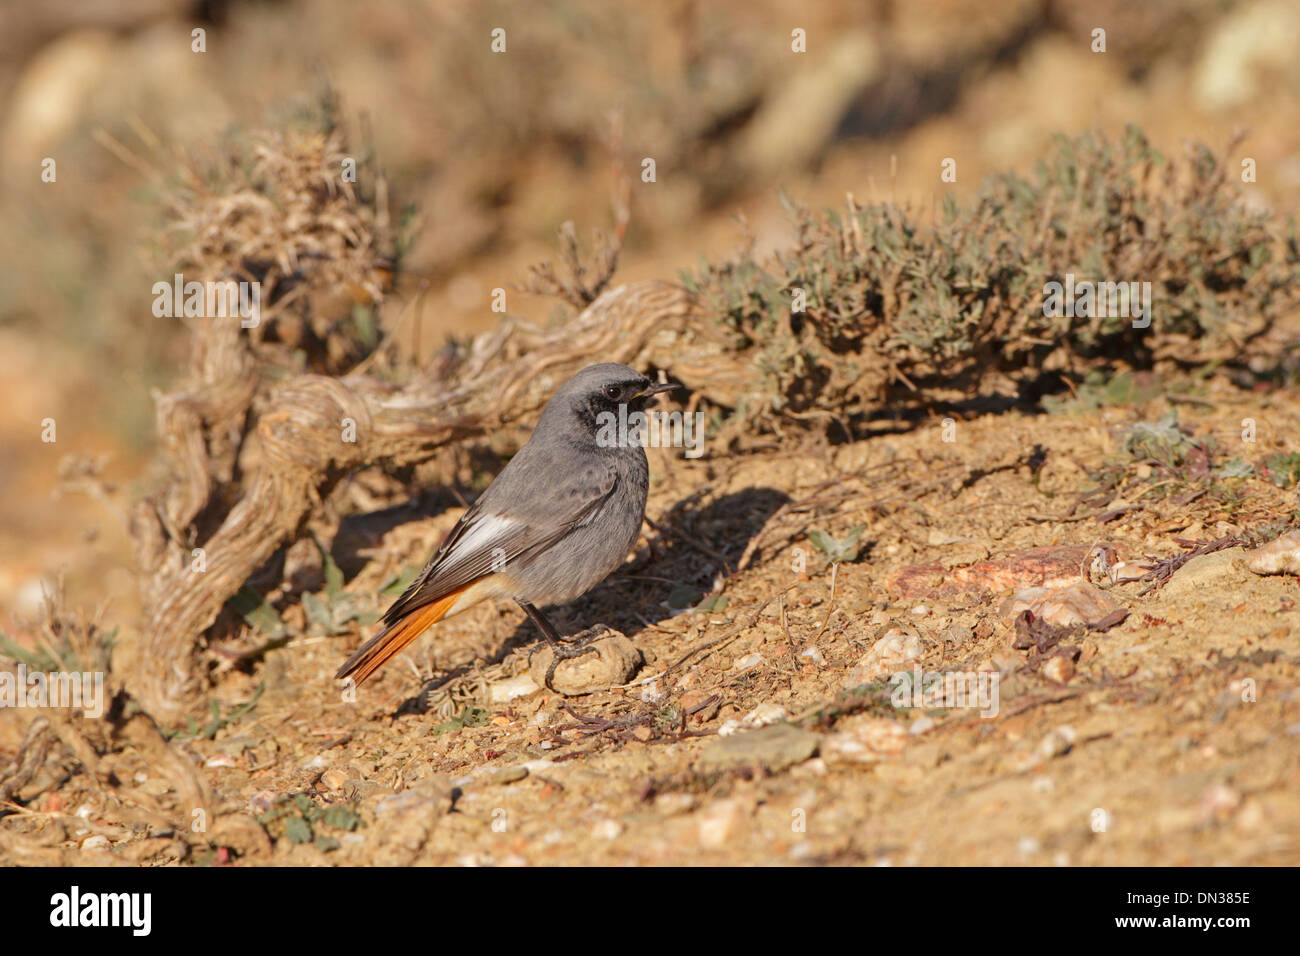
[601, 389]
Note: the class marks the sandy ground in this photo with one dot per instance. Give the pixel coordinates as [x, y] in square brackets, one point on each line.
[1173, 739]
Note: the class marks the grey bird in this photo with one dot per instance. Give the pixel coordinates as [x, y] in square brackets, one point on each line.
[555, 522]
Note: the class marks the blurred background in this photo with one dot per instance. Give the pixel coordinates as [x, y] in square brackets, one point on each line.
[486, 155]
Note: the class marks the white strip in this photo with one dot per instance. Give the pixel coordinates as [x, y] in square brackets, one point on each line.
[482, 535]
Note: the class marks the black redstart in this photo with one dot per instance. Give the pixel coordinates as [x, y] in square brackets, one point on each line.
[559, 517]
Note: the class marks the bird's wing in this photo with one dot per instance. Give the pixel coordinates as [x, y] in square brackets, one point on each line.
[520, 518]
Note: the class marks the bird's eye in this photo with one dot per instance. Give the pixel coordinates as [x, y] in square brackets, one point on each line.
[612, 391]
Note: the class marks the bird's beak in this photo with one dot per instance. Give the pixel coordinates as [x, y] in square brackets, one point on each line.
[656, 388]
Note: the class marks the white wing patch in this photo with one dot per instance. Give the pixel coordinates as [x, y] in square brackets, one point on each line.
[485, 533]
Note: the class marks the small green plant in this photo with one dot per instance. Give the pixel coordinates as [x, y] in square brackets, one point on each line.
[1098, 391]
[258, 613]
[1282, 469]
[209, 730]
[398, 583]
[469, 717]
[337, 611]
[668, 718]
[299, 820]
[1164, 442]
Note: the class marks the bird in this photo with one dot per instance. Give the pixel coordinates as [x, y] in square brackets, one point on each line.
[564, 512]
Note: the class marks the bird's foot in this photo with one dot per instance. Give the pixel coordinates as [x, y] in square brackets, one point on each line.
[568, 648]
[585, 637]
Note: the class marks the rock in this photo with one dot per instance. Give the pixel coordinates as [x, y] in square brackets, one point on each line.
[887, 656]
[615, 662]
[1051, 566]
[812, 655]
[701, 705]
[501, 774]
[432, 796]
[1220, 569]
[774, 748]
[728, 728]
[957, 634]
[404, 821]
[671, 804]
[717, 821]
[607, 830]
[864, 741]
[1079, 602]
[1279, 556]
[921, 725]
[747, 662]
[261, 801]
[1123, 572]
[1059, 669]
[1058, 743]
[762, 715]
[504, 691]
[358, 789]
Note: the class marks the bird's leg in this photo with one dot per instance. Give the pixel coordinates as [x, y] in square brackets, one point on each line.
[561, 649]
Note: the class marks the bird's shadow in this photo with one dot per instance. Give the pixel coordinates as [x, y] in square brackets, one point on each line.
[693, 546]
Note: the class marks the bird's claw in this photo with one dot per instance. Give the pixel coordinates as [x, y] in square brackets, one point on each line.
[569, 648]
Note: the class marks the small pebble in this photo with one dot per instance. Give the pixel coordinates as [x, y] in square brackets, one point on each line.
[865, 741]
[1058, 742]
[671, 804]
[333, 779]
[717, 822]
[764, 714]
[921, 725]
[958, 634]
[1059, 669]
[813, 654]
[607, 830]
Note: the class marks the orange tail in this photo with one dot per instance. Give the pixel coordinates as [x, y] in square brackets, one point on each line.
[373, 654]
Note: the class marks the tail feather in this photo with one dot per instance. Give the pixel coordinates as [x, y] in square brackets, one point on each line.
[373, 654]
